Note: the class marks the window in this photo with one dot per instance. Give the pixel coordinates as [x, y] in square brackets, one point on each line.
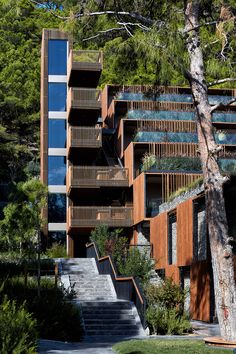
[56, 208]
[161, 273]
[56, 170]
[172, 239]
[57, 57]
[199, 230]
[57, 96]
[57, 237]
[56, 133]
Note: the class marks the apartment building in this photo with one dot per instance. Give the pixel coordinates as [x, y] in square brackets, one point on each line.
[115, 156]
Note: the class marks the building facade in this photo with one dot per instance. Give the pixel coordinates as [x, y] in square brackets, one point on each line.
[116, 156]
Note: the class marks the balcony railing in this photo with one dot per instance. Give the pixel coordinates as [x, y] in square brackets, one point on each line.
[84, 137]
[83, 98]
[95, 215]
[85, 60]
[95, 177]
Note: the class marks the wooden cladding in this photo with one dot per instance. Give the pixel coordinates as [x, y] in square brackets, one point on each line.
[166, 125]
[167, 149]
[88, 137]
[96, 176]
[171, 182]
[79, 217]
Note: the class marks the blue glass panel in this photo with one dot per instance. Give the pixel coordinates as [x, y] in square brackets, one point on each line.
[224, 117]
[160, 115]
[57, 57]
[57, 237]
[57, 96]
[56, 170]
[214, 99]
[56, 207]
[56, 133]
[228, 165]
[166, 137]
[225, 138]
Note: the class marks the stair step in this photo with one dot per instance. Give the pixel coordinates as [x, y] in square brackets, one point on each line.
[111, 322]
[108, 316]
[111, 332]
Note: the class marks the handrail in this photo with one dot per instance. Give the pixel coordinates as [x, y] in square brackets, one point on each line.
[127, 288]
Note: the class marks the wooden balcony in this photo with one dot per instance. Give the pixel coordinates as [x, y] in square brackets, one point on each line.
[92, 216]
[83, 105]
[84, 68]
[96, 177]
[83, 137]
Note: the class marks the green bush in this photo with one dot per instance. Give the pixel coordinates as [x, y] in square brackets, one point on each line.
[136, 264]
[168, 294]
[17, 329]
[100, 235]
[165, 313]
[57, 318]
[9, 267]
[167, 321]
[57, 250]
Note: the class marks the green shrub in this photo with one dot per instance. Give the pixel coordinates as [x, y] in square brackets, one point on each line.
[99, 236]
[167, 321]
[136, 264]
[57, 250]
[17, 329]
[9, 267]
[168, 294]
[56, 317]
[165, 313]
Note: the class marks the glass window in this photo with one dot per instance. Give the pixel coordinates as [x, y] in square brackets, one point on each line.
[56, 170]
[57, 57]
[172, 239]
[57, 237]
[56, 207]
[56, 133]
[57, 96]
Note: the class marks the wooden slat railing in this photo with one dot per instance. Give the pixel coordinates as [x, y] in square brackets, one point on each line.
[97, 176]
[93, 216]
[84, 137]
[127, 288]
[83, 98]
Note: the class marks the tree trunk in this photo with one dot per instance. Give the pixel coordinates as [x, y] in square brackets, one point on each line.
[221, 250]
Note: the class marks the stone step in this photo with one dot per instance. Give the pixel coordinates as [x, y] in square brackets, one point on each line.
[108, 316]
[100, 326]
[108, 305]
[111, 322]
[112, 332]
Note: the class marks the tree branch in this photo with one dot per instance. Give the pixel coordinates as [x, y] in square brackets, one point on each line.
[221, 81]
[221, 104]
[199, 26]
[104, 32]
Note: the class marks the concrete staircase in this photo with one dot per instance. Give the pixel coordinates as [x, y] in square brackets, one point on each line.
[103, 314]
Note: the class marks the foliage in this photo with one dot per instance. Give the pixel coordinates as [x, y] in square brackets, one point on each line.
[12, 267]
[165, 313]
[63, 324]
[163, 320]
[99, 236]
[176, 346]
[136, 264]
[168, 295]
[195, 184]
[56, 251]
[22, 217]
[179, 163]
[17, 329]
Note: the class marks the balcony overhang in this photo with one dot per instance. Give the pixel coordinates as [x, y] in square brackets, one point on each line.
[84, 68]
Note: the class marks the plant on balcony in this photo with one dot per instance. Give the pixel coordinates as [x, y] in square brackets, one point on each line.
[148, 161]
[197, 183]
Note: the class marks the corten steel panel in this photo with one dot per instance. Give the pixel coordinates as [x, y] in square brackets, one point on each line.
[128, 161]
[172, 271]
[185, 233]
[119, 139]
[158, 237]
[70, 245]
[104, 103]
[139, 198]
[134, 238]
[200, 290]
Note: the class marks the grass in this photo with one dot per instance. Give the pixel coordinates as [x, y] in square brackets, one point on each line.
[172, 346]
